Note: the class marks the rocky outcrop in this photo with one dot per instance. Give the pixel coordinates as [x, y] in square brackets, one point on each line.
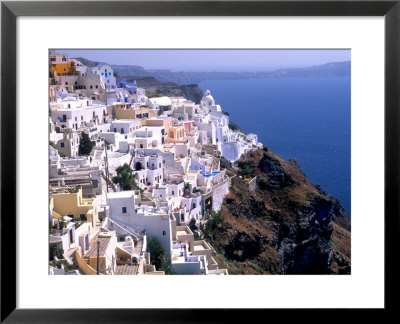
[276, 176]
[156, 87]
[286, 226]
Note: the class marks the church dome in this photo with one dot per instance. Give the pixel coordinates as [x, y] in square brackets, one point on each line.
[208, 98]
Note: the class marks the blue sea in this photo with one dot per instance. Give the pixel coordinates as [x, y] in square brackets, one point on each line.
[307, 119]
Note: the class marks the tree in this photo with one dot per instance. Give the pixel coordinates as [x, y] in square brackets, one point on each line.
[125, 178]
[212, 228]
[246, 170]
[186, 189]
[158, 257]
[192, 225]
[224, 163]
[85, 144]
[157, 252]
[55, 249]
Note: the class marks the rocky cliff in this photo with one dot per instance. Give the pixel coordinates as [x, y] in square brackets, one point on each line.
[286, 226]
[155, 87]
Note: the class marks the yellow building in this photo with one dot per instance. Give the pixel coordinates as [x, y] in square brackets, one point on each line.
[176, 132]
[125, 111]
[61, 66]
[73, 205]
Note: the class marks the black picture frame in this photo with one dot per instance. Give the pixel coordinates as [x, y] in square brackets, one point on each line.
[11, 10]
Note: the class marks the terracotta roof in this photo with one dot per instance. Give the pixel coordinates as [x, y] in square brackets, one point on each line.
[92, 253]
[126, 269]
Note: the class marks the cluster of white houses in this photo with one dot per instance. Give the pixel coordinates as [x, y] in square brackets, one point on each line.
[171, 144]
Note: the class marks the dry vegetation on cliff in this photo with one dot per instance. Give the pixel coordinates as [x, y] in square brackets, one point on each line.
[287, 225]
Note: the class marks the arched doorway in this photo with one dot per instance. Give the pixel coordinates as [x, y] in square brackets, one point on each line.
[138, 166]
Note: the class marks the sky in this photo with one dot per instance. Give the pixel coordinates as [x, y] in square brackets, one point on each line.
[212, 60]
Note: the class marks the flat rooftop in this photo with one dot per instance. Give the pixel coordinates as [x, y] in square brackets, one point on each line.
[200, 246]
[126, 269]
[124, 121]
[121, 194]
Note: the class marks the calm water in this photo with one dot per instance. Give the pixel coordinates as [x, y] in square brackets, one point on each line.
[307, 119]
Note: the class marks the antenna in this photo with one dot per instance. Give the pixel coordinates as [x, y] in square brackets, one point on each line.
[106, 164]
[98, 252]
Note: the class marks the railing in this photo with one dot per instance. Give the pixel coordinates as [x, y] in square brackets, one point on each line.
[123, 227]
[129, 228]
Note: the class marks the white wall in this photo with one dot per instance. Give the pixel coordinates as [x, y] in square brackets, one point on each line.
[231, 150]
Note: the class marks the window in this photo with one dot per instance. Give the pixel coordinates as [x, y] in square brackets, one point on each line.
[91, 87]
[76, 118]
[97, 86]
[76, 82]
[66, 83]
[81, 117]
[62, 144]
[123, 210]
[164, 233]
[173, 192]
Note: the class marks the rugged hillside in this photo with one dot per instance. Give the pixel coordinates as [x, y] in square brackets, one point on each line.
[155, 87]
[286, 225]
[324, 70]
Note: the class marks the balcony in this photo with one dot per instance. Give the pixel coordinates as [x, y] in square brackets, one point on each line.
[184, 234]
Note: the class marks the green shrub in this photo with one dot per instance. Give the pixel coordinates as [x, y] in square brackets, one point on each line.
[246, 170]
[85, 144]
[125, 178]
[224, 163]
[158, 257]
[55, 249]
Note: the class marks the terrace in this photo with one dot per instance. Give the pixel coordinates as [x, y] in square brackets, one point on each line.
[201, 246]
[184, 234]
[218, 272]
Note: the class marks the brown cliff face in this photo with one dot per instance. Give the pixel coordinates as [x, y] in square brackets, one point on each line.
[286, 226]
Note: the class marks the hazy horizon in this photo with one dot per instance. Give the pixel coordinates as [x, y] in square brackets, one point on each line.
[212, 60]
